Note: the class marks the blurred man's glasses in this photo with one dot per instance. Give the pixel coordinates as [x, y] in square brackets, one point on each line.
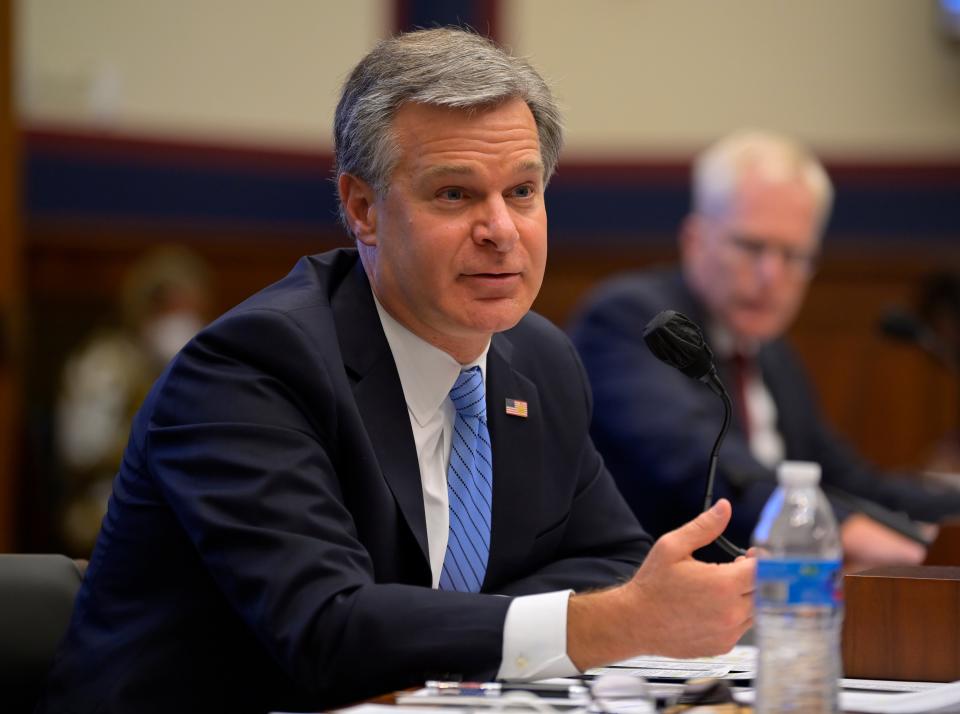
[755, 250]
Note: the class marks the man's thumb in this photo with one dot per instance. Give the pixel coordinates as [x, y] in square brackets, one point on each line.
[701, 531]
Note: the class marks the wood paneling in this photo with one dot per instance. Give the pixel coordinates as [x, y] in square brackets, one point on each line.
[891, 401]
[10, 275]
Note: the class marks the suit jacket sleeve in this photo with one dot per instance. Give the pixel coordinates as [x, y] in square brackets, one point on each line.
[247, 455]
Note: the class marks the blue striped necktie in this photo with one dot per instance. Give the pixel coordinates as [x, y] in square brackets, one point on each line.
[469, 487]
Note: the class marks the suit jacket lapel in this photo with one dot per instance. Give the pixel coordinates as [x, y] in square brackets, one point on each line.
[379, 397]
[517, 467]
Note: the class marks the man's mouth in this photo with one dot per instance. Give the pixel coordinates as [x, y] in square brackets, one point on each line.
[492, 276]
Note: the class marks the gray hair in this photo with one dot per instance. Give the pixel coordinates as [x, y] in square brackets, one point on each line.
[444, 67]
[717, 170]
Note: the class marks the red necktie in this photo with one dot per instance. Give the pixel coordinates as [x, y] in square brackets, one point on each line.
[742, 366]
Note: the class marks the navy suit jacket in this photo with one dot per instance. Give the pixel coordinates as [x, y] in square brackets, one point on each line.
[655, 427]
[265, 543]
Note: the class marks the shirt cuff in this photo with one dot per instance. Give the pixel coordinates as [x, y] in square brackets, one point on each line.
[535, 638]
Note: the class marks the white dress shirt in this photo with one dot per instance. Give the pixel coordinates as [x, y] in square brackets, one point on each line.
[535, 630]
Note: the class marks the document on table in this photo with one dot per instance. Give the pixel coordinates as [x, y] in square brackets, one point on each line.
[942, 698]
[887, 685]
[933, 698]
[653, 669]
[559, 693]
[738, 663]
[869, 696]
[383, 709]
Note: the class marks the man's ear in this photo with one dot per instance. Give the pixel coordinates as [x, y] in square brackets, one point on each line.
[359, 207]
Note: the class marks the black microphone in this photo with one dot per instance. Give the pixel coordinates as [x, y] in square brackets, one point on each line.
[901, 325]
[677, 341]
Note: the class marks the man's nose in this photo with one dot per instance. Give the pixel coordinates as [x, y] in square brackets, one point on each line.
[772, 265]
[495, 225]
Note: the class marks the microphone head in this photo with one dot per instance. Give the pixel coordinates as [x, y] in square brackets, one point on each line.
[901, 325]
[676, 340]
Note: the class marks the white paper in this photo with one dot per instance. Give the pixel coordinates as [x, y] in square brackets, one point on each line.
[670, 670]
[416, 700]
[887, 685]
[738, 663]
[942, 698]
[939, 698]
[383, 709]
[741, 657]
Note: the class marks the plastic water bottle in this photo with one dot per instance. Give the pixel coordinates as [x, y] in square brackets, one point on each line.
[799, 605]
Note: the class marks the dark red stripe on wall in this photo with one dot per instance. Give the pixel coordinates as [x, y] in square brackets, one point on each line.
[93, 145]
[481, 15]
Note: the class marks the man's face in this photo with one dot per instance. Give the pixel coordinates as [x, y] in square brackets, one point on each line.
[752, 264]
[456, 247]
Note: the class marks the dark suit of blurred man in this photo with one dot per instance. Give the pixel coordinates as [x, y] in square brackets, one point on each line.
[748, 249]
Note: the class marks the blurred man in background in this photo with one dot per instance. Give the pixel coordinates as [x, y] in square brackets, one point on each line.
[749, 249]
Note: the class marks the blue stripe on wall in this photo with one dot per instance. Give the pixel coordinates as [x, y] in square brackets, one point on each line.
[60, 187]
[581, 209]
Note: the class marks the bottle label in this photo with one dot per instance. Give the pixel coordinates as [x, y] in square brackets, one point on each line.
[798, 581]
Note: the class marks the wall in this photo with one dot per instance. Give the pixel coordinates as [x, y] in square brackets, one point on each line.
[245, 71]
[209, 123]
[859, 79]
[864, 79]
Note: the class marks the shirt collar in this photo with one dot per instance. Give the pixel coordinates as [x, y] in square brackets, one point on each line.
[427, 373]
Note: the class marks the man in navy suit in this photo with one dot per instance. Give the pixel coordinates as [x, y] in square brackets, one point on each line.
[288, 529]
[748, 251]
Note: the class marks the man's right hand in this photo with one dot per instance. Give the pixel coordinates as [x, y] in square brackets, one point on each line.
[674, 605]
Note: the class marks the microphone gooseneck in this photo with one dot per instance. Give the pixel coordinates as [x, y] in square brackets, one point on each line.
[677, 341]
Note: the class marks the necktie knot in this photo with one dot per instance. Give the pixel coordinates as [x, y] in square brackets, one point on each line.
[468, 394]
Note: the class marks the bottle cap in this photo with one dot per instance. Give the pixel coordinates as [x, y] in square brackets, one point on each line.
[798, 473]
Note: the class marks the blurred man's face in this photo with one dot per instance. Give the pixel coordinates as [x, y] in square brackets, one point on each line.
[456, 248]
[752, 263]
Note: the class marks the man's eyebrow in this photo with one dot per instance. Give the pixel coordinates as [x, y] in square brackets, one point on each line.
[441, 170]
[447, 170]
[529, 165]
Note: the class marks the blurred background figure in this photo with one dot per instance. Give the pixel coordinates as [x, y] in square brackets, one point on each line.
[165, 300]
[749, 249]
[935, 329]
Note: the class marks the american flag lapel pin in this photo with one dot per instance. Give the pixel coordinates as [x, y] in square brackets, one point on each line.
[517, 407]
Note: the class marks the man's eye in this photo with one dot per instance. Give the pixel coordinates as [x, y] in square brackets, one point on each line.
[524, 191]
[753, 247]
[451, 194]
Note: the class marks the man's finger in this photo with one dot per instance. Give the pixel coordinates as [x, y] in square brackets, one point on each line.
[701, 531]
